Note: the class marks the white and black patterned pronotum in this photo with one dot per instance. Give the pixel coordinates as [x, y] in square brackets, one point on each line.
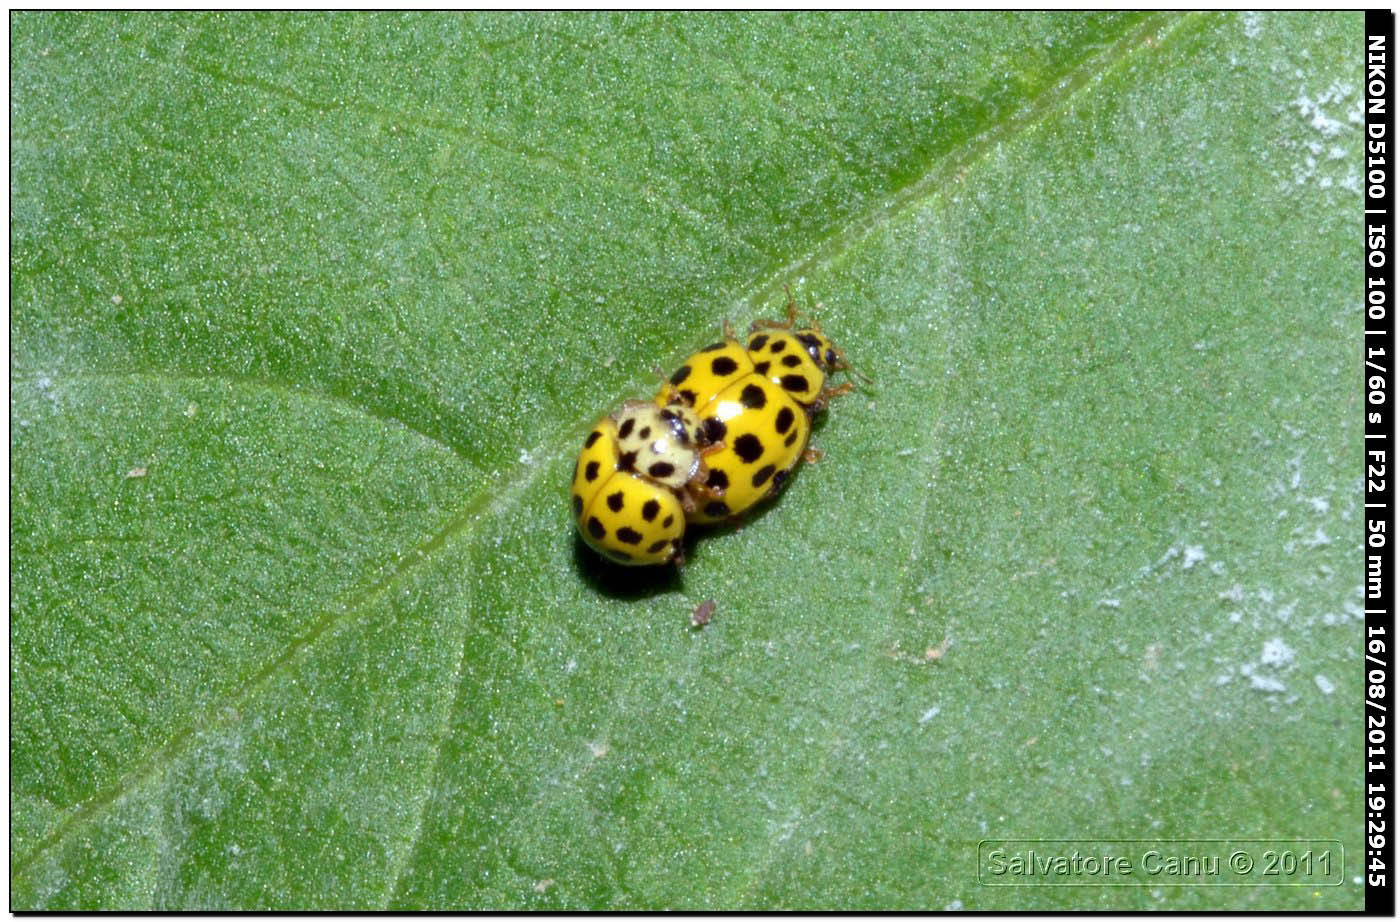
[641, 468]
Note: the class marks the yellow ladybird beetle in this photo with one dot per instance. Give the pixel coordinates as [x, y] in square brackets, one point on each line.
[640, 470]
[755, 402]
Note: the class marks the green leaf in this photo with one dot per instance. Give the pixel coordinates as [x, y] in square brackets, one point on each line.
[311, 312]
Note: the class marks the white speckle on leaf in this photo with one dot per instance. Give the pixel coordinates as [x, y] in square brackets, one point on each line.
[46, 389]
[1312, 109]
[1276, 653]
[1234, 594]
[1264, 683]
[1295, 467]
[1252, 27]
[1326, 115]
[1325, 684]
[1194, 555]
[1110, 603]
[930, 714]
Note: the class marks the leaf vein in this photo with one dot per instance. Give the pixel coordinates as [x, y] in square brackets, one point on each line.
[949, 168]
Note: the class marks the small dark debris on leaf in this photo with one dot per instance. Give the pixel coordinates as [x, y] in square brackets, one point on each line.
[701, 616]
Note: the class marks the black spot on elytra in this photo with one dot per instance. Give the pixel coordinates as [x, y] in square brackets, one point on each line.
[595, 528]
[681, 374]
[713, 346]
[628, 536]
[645, 433]
[649, 509]
[718, 479]
[717, 508]
[784, 420]
[658, 545]
[748, 447]
[615, 501]
[578, 505]
[762, 368]
[661, 469]
[792, 437]
[794, 382]
[763, 474]
[791, 361]
[626, 428]
[778, 346]
[756, 343]
[590, 472]
[628, 461]
[779, 479]
[593, 436]
[668, 521]
[715, 429]
[724, 366]
[752, 396]
[687, 395]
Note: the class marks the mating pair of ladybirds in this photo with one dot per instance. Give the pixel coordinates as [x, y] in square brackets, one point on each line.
[721, 436]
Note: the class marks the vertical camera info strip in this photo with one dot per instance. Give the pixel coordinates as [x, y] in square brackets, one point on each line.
[1379, 357]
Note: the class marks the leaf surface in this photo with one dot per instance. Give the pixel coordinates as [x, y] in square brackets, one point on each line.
[310, 315]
